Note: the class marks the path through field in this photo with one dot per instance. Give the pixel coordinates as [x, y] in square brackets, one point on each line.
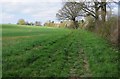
[56, 52]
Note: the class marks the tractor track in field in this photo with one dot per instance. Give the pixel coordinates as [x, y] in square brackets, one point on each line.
[85, 64]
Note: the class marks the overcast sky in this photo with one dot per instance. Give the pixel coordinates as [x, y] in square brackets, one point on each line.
[30, 10]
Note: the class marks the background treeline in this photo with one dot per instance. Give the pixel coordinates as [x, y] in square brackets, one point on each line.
[61, 24]
[23, 22]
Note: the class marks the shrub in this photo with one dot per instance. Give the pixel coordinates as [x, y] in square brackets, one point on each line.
[89, 23]
[112, 22]
[108, 29]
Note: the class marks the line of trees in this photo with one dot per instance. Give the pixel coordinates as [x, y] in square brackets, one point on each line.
[95, 12]
[95, 8]
[23, 22]
[50, 23]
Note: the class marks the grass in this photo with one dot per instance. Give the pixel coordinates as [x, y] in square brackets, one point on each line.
[55, 52]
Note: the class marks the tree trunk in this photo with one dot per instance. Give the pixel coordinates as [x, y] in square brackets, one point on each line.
[97, 24]
[96, 16]
[75, 23]
[103, 10]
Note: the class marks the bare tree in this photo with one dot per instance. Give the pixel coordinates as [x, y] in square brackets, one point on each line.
[95, 8]
[70, 11]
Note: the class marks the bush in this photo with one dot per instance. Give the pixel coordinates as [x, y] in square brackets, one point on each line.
[112, 23]
[67, 24]
[89, 23]
[62, 24]
[81, 24]
[108, 29]
[71, 24]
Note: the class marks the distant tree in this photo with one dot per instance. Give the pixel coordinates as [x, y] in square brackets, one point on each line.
[37, 23]
[46, 23]
[61, 21]
[21, 22]
[49, 23]
[27, 23]
[31, 23]
[52, 21]
[70, 11]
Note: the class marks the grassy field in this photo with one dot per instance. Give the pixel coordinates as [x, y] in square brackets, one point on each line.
[56, 52]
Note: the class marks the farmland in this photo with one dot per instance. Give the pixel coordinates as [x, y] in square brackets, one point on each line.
[55, 52]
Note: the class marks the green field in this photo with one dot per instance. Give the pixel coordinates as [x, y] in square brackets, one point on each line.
[32, 51]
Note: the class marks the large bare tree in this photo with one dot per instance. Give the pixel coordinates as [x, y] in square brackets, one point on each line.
[70, 11]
